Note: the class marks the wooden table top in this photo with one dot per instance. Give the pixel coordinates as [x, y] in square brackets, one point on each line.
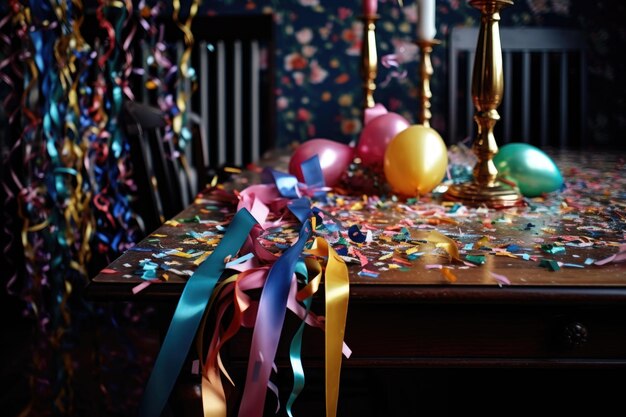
[407, 259]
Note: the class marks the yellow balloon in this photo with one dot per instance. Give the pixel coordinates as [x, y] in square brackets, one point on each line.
[415, 161]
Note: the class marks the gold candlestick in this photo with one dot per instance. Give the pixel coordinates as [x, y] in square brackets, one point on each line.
[369, 60]
[487, 89]
[426, 72]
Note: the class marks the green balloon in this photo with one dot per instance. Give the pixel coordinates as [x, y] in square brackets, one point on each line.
[534, 172]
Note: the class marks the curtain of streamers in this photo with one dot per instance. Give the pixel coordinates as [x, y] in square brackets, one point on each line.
[66, 173]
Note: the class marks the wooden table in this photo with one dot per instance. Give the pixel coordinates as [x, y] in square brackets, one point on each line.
[411, 315]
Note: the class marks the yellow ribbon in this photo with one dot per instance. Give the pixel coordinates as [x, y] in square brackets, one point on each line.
[337, 290]
[213, 396]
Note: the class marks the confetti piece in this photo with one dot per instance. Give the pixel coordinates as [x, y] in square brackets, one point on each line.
[239, 260]
[386, 256]
[355, 234]
[109, 271]
[368, 273]
[401, 261]
[505, 253]
[149, 274]
[570, 265]
[553, 249]
[448, 275]
[476, 259]
[550, 264]
[620, 256]
[501, 279]
[415, 256]
[140, 287]
[202, 257]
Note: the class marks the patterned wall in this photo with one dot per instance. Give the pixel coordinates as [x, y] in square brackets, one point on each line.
[318, 83]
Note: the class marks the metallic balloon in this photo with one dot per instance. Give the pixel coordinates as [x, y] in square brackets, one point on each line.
[335, 157]
[415, 161]
[534, 172]
[375, 137]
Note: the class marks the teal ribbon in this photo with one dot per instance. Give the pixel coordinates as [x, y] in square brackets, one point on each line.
[295, 348]
[188, 314]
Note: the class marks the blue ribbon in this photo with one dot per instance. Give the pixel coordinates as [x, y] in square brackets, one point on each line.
[301, 208]
[312, 172]
[287, 184]
[314, 177]
[188, 314]
[269, 322]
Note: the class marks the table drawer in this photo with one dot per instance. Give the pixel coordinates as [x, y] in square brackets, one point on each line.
[469, 335]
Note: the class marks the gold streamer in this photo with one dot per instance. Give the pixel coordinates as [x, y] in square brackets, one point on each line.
[440, 241]
[185, 27]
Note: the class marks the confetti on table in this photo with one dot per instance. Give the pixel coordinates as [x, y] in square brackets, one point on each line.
[550, 264]
[476, 259]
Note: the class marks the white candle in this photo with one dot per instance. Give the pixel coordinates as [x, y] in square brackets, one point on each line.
[426, 29]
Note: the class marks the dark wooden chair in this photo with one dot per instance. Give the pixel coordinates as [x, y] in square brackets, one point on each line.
[232, 112]
[545, 86]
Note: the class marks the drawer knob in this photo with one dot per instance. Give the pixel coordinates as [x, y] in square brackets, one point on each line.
[574, 334]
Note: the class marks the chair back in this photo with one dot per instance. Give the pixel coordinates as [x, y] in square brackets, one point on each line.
[545, 86]
[232, 112]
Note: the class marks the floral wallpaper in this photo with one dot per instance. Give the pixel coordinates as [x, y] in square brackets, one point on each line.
[318, 82]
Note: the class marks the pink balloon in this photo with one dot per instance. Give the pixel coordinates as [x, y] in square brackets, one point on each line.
[375, 137]
[334, 158]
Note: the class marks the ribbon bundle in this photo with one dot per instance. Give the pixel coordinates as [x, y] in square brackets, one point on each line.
[287, 282]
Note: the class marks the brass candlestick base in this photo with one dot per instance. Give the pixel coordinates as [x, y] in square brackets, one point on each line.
[426, 73]
[487, 88]
[473, 194]
[369, 60]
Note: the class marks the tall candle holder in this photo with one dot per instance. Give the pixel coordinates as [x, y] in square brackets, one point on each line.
[426, 72]
[369, 60]
[487, 89]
